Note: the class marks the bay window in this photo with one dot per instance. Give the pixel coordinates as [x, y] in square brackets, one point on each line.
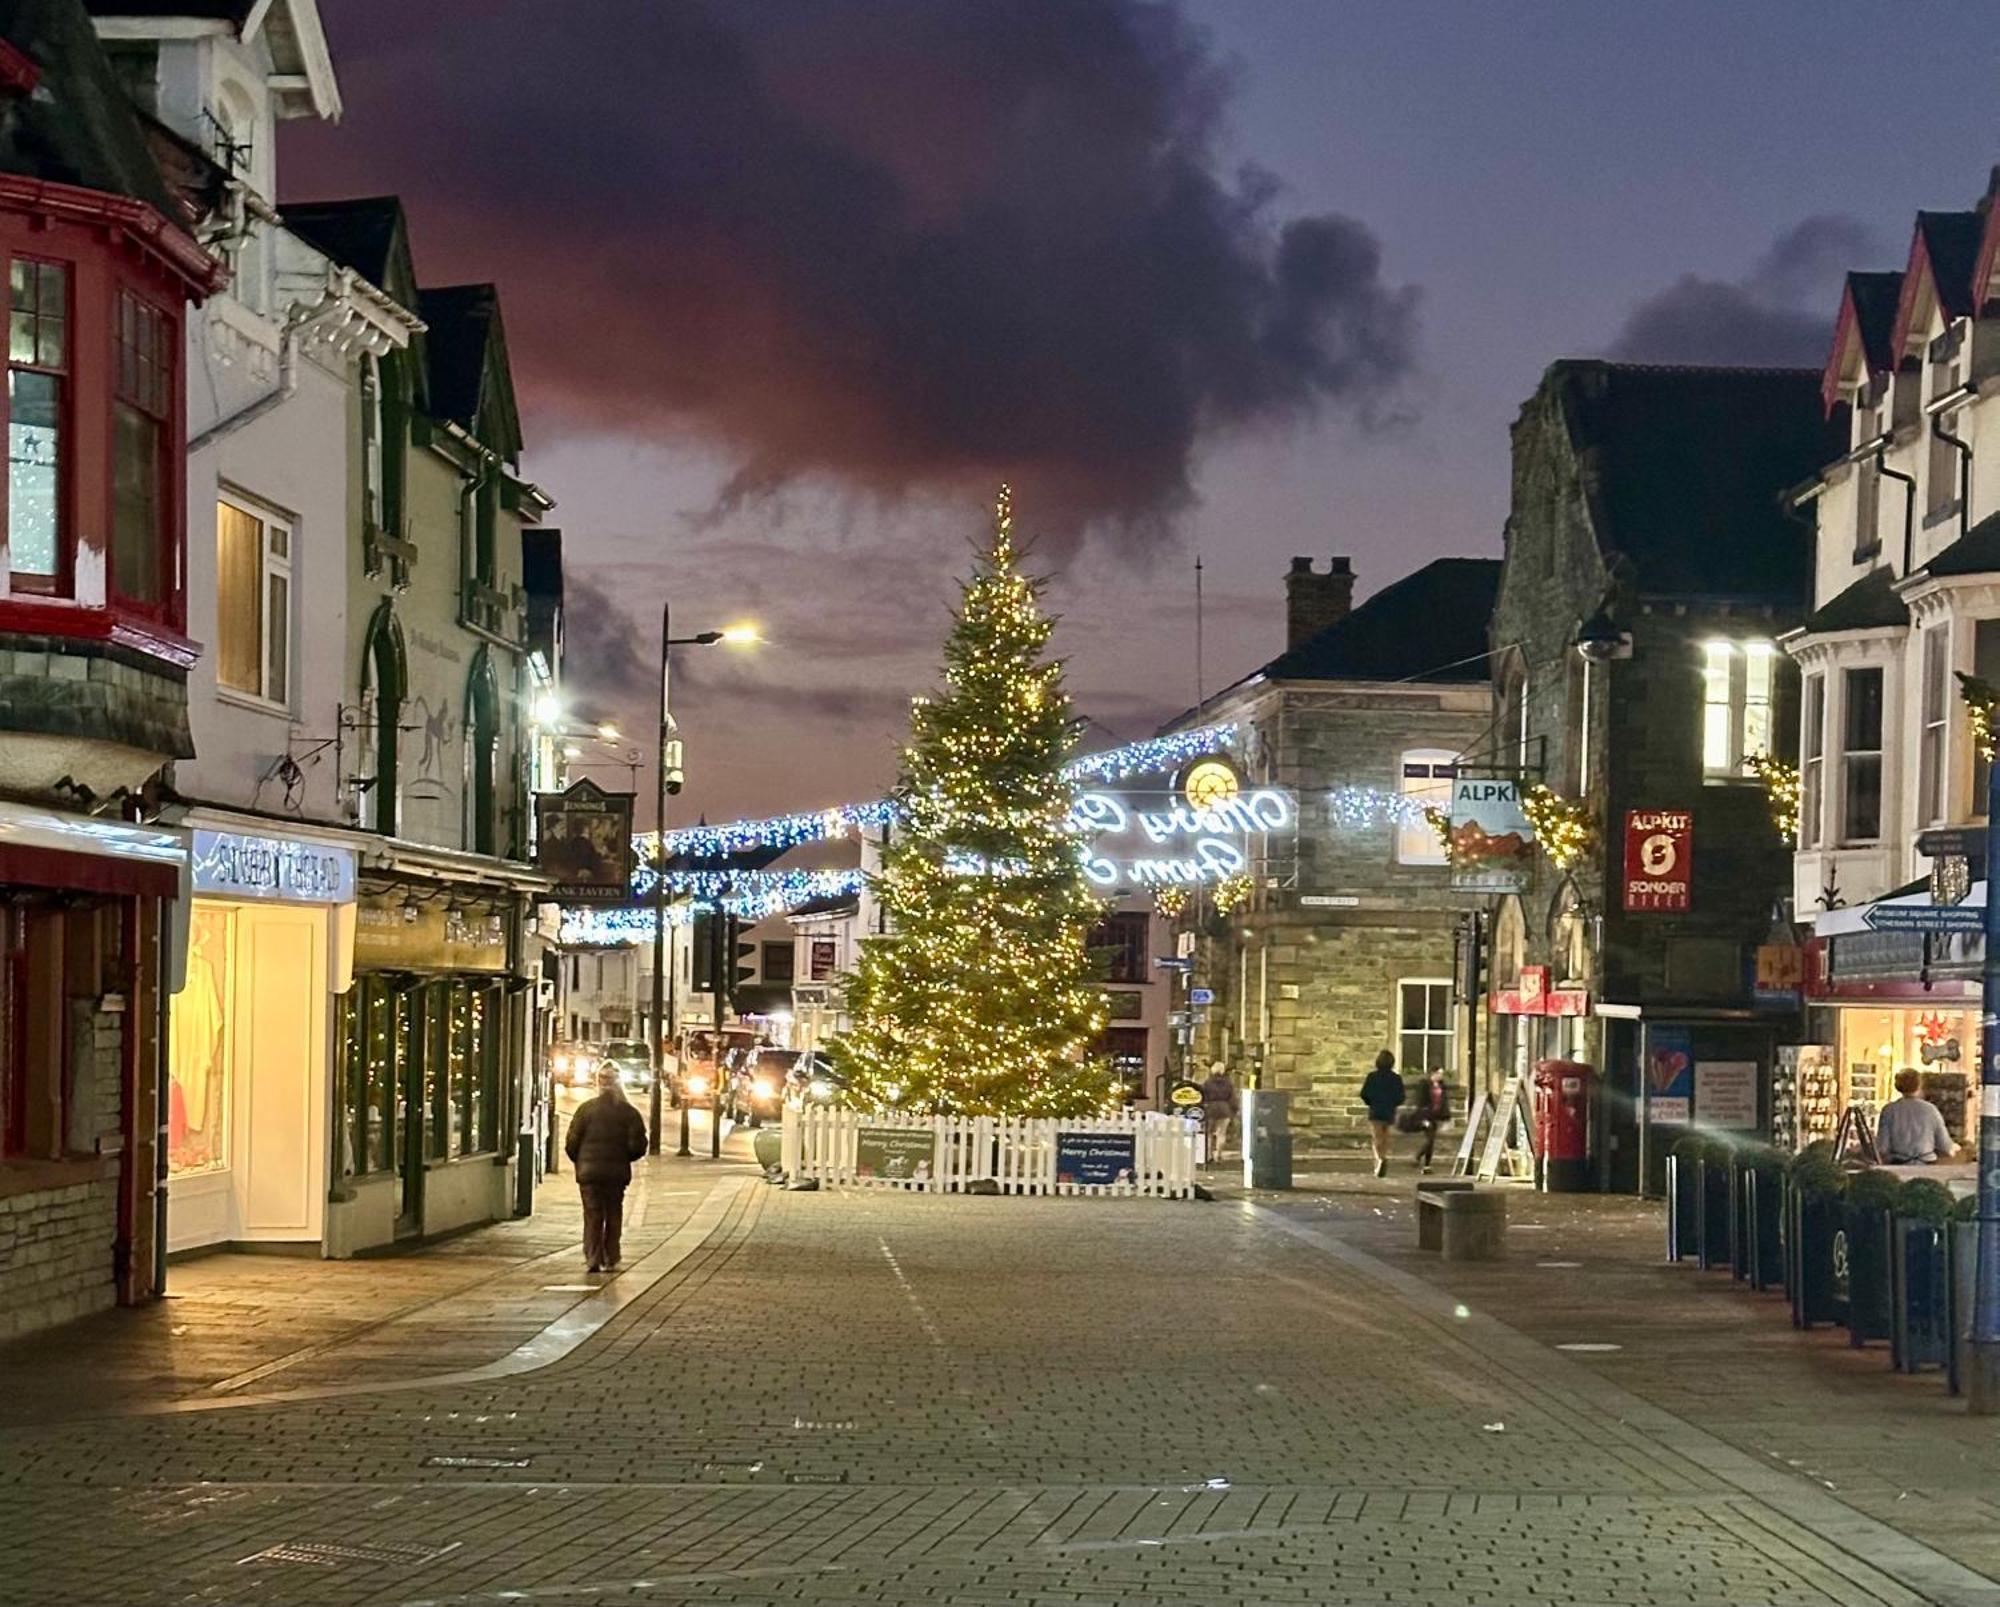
[253, 617]
[1861, 756]
[37, 424]
[1930, 739]
[141, 426]
[1812, 762]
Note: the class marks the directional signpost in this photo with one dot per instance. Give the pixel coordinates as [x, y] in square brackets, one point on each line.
[1201, 996]
[1924, 918]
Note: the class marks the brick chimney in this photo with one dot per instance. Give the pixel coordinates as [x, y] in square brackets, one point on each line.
[1314, 601]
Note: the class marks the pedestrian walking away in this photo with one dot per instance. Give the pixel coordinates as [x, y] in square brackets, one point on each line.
[606, 1135]
[1218, 1108]
[1382, 1093]
[1428, 1110]
[1911, 1129]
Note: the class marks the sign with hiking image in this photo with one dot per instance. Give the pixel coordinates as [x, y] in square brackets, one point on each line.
[907, 1153]
[1492, 840]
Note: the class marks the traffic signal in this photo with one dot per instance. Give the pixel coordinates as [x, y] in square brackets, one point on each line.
[745, 969]
[671, 775]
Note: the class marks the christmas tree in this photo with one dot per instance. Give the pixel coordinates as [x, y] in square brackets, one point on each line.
[982, 999]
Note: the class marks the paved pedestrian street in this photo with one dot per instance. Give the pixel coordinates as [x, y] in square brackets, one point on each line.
[816, 1397]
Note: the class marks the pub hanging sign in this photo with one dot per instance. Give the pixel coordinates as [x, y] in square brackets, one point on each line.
[583, 841]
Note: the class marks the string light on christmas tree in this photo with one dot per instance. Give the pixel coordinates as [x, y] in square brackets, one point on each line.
[1781, 791]
[1562, 826]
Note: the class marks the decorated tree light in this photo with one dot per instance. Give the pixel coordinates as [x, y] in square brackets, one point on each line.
[982, 999]
[1562, 826]
[1781, 791]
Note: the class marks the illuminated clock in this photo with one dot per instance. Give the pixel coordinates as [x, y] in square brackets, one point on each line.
[1209, 782]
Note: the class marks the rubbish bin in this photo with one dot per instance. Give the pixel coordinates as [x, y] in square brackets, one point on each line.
[1267, 1139]
[1562, 1126]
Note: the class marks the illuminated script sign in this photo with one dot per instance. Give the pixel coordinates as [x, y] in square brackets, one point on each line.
[1177, 843]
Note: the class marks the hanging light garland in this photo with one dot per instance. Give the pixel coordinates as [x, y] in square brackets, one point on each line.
[1982, 698]
[1170, 901]
[1781, 791]
[1231, 893]
[1562, 826]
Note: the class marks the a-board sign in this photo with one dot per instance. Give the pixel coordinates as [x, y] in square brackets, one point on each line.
[1185, 1096]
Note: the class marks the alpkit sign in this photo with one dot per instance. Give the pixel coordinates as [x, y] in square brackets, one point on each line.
[1492, 839]
[1659, 859]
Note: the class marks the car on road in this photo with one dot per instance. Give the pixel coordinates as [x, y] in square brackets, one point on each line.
[758, 1082]
[632, 1062]
[573, 1065]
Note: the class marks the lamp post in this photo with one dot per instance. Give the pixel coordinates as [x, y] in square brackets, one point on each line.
[669, 781]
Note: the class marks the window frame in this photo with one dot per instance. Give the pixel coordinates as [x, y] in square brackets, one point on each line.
[157, 403]
[1849, 753]
[1426, 1034]
[1738, 712]
[62, 581]
[1812, 759]
[1440, 764]
[785, 973]
[269, 568]
[1933, 744]
[1125, 938]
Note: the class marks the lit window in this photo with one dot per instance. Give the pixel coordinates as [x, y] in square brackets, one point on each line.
[253, 603]
[1424, 783]
[37, 364]
[1736, 705]
[139, 472]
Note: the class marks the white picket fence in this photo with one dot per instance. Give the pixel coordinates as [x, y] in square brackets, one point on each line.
[1136, 1153]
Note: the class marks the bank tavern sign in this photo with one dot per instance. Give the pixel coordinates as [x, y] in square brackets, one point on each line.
[229, 864]
[1179, 843]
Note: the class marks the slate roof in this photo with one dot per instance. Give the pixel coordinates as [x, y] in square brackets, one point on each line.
[1428, 626]
[78, 126]
[1870, 603]
[233, 12]
[360, 234]
[1977, 552]
[1951, 240]
[1875, 297]
[1684, 469]
[460, 320]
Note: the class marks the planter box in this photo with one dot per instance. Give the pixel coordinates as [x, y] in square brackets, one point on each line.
[1816, 1286]
[1962, 1258]
[1863, 1252]
[1763, 1229]
[1920, 1283]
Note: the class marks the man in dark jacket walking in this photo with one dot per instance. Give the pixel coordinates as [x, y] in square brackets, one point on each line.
[1381, 1092]
[606, 1135]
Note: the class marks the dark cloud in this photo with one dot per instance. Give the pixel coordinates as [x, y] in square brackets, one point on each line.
[902, 244]
[601, 657]
[1780, 314]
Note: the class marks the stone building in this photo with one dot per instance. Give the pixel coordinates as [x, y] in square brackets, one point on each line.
[1346, 944]
[1651, 567]
[101, 267]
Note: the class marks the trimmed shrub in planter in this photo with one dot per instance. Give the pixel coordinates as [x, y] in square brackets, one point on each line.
[1814, 1186]
[1758, 1205]
[1920, 1276]
[1871, 1202]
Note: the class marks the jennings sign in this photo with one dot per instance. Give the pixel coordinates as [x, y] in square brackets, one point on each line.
[584, 841]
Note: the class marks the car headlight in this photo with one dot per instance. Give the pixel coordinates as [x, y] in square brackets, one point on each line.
[562, 1062]
[697, 1084]
[820, 1088]
[763, 1087]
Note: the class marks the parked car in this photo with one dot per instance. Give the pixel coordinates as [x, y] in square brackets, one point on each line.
[632, 1061]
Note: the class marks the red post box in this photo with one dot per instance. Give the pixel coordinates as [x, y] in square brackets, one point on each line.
[1563, 1093]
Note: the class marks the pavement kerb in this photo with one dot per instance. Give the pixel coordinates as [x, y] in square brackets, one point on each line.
[551, 1344]
[1870, 1544]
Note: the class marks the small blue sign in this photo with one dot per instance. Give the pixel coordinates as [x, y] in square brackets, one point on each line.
[1201, 996]
[1924, 918]
[1096, 1158]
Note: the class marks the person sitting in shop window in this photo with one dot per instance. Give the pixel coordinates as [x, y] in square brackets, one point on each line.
[1910, 1130]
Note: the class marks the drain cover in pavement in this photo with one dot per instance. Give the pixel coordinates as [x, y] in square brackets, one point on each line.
[476, 1461]
[1590, 1345]
[321, 1555]
[570, 1288]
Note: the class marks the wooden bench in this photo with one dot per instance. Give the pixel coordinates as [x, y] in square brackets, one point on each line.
[1462, 1220]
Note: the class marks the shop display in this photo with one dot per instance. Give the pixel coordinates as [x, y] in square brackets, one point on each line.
[1817, 1095]
[1951, 1092]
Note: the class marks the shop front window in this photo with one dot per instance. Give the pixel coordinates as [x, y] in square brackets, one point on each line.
[198, 1052]
[373, 1044]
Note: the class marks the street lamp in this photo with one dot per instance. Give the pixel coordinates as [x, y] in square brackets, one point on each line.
[670, 782]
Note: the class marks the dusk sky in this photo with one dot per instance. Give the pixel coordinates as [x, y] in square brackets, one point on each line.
[789, 287]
